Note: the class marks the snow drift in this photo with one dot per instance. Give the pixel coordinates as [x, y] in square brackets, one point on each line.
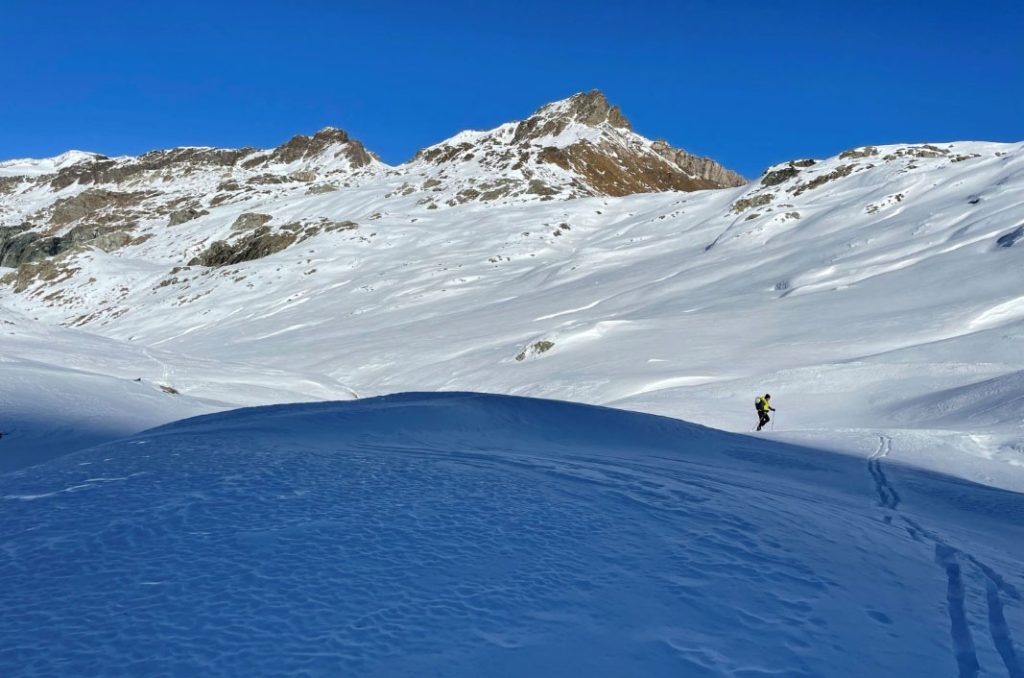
[465, 535]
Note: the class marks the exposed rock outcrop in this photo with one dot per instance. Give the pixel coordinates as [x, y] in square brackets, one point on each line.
[589, 109]
[17, 248]
[259, 243]
[591, 144]
[330, 140]
[703, 168]
[1010, 239]
[25, 247]
[181, 216]
[248, 221]
[776, 177]
[89, 202]
[173, 162]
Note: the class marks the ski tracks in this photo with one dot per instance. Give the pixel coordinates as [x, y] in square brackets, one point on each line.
[887, 496]
[953, 560]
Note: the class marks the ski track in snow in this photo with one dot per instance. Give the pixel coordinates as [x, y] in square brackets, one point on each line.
[887, 496]
[950, 558]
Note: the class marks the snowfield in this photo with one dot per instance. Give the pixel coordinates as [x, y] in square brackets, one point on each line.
[866, 292]
[466, 535]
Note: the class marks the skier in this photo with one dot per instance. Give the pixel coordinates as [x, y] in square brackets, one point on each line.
[763, 405]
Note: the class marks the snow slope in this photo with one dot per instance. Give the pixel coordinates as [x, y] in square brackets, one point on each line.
[467, 535]
[876, 289]
[62, 390]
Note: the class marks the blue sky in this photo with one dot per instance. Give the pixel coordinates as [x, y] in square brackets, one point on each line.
[748, 83]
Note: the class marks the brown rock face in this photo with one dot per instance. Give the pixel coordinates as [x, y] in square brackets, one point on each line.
[88, 203]
[587, 137]
[187, 214]
[249, 221]
[590, 109]
[302, 147]
[256, 244]
[622, 174]
[8, 184]
[444, 152]
[176, 161]
[703, 169]
[619, 164]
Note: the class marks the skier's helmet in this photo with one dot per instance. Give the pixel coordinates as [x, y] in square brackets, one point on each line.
[767, 396]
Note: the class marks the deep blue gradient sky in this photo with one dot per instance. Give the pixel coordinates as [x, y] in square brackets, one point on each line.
[748, 83]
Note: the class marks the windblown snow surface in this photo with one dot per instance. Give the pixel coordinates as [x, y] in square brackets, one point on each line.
[478, 535]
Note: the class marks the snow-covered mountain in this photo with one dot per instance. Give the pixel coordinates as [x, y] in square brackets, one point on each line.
[81, 200]
[582, 146]
[877, 288]
[578, 147]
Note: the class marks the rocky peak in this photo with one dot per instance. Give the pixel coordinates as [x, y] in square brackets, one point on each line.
[302, 147]
[329, 134]
[586, 108]
[580, 146]
[589, 109]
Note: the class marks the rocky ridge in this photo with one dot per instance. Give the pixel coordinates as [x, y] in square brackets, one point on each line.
[581, 146]
[214, 210]
[52, 207]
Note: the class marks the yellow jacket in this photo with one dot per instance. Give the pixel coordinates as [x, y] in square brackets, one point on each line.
[763, 404]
